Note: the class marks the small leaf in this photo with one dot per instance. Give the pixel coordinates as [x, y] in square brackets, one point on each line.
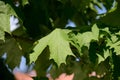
[106, 54]
[95, 31]
[106, 30]
[100, 58]
[115, 45]
[117, 50]
[24, 2]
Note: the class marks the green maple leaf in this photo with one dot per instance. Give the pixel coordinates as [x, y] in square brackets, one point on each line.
[58, 43]
[13, 51]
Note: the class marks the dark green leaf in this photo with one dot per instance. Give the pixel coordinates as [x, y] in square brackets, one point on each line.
[13, 51]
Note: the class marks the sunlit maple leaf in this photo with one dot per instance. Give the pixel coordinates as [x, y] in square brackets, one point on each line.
[58, 43]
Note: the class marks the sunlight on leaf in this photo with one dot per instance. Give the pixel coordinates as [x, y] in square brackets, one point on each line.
[84, 39]
[100, 58]
[5, 12]
[115, 45]
[114, 38]
[4, 22]
[4, 25]
[80, 40]
[7, 9]
[2, 34]
[87, 37]
[117, 50]
[106, 53]
[90, 35]
[58, 43]
[95, 31]
[106, 30]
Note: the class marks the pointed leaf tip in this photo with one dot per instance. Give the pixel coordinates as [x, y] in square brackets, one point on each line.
[95, 31]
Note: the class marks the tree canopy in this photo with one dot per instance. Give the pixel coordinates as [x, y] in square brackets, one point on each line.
[44, 37]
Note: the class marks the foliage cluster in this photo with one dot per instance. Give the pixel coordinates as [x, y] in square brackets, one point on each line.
[91, 45]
